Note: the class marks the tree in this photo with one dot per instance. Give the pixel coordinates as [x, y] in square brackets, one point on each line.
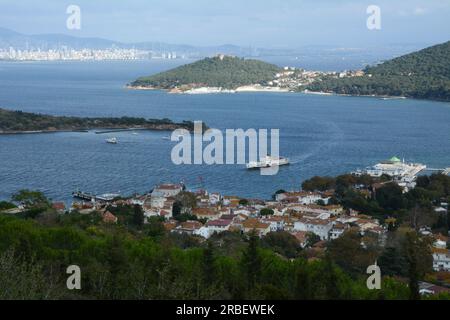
[176, 209]
[184, 203]
[138, 216]
[311, 239]
[243, 202]
[266, 212]
[390, 197]
[154, 227]
[252, 261]
[332, 290]
[4, 205]
[34, 202]
[31, 199]
[419, 260]
[319, 184]
[303, 286]
[348, 253]
[392, 262]
[208, 267]
[283, 243]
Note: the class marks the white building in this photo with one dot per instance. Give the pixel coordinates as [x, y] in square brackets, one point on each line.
[305, 198]
[167, 190]
[441, 259]
[317, 226]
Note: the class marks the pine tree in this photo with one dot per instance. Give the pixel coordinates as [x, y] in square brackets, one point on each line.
[138, 216]
[209, 270]
[252, 261]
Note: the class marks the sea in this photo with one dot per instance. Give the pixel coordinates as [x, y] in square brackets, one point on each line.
[321, 135]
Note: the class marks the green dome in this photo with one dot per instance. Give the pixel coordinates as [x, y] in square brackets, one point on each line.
[395, 159]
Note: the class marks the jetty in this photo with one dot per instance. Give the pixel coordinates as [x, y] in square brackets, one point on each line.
[107, 197]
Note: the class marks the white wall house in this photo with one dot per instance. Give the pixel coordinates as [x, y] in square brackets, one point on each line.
[316, 226]
[441, 259]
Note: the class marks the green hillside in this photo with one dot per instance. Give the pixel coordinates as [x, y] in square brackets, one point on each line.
[18, 121]
[224, 71]
[424, 74]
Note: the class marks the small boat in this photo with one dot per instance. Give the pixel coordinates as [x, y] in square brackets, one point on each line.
[166, 138]
[112, 140]
[268, 162]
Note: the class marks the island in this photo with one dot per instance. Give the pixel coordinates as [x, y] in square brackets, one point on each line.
[216, 74]
[12, 122]
[424, 74]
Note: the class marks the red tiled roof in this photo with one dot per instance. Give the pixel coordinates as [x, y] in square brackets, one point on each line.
[218, 223]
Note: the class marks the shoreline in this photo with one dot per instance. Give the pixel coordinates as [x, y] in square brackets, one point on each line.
[212, 90]
[257, 88]
[95, 130]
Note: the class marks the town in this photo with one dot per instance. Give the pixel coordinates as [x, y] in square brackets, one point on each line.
[65, 53]
[312, 217]
[371, 208]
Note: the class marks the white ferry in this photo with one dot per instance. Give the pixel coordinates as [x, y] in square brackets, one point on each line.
[112, 140]
[268, 162]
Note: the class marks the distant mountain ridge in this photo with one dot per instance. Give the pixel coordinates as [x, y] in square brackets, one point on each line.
[424, 74]
[9, 38]
[221, 71]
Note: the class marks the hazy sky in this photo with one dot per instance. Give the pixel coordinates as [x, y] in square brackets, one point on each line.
[268, 23]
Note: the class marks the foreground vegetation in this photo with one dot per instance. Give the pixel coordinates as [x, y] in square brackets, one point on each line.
[424, 75]
[18, 121]
[137, 260]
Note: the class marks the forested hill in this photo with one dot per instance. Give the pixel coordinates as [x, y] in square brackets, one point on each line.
[220, 71]
[424, 74]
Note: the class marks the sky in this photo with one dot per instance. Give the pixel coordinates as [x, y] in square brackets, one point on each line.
[259, 23]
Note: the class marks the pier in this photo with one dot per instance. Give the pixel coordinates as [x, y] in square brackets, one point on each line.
[83, 195]
[118, 130]
[107, 197]
[445, 171]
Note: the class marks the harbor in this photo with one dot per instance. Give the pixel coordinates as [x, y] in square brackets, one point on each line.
[400, 171]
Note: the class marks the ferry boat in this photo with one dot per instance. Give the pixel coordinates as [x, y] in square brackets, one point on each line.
[112, 140]
[268, 162]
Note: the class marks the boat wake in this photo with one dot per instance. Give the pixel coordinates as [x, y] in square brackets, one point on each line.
[336, 134]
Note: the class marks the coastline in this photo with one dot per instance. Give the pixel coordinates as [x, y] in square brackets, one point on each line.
[213, 90]
[259, 88]
[96, 130]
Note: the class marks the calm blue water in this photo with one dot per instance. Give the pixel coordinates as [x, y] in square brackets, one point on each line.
[323, 135]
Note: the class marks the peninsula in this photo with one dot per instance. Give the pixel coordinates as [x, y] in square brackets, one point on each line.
[12, 122]
[424, 74]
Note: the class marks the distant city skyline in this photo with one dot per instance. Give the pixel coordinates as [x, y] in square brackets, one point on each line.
[264, 23]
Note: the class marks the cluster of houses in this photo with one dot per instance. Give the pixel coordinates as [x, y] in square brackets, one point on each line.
[293, 78]
[296, 212]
